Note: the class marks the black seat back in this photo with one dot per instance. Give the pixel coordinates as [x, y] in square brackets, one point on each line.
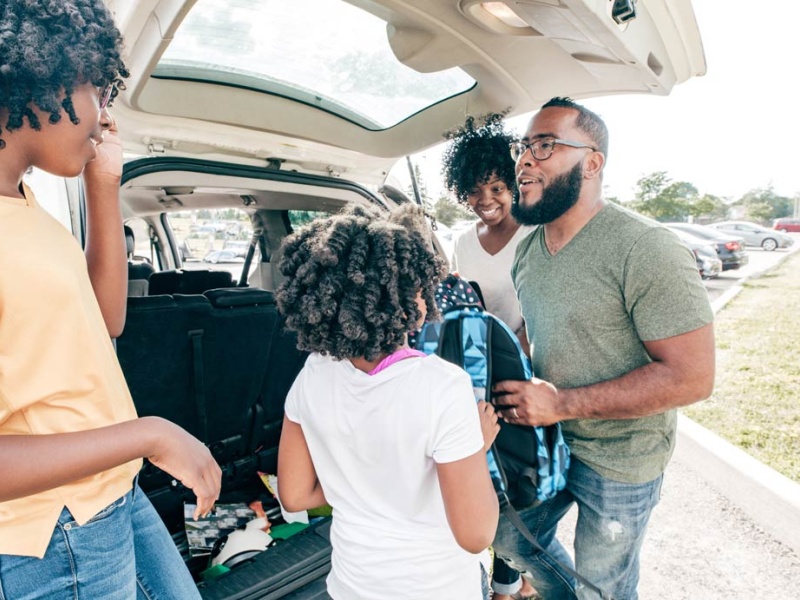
[160, 351]
[284, 363]
[238, 360]
[219, 365]
[189, 282]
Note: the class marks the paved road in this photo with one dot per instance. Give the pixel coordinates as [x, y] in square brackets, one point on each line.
[759, 261]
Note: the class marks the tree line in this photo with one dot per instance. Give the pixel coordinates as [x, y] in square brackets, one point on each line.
[659, 197]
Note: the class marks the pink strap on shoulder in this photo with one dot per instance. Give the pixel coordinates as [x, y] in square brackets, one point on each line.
[394, 357]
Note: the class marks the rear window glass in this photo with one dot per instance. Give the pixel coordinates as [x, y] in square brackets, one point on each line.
[215, 239]
[331, 55]
[298, 218]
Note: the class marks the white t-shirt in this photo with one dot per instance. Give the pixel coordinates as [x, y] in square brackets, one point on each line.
[375, 441]
[492, 272]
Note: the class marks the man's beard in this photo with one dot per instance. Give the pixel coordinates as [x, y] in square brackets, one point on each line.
[557, 198]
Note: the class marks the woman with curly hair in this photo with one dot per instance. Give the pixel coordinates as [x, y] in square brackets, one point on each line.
[72, 519]
[387, 436]
[479, 171]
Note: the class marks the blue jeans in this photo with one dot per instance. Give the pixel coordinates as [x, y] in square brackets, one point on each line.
[612, 519]
[123, 553]
[484, 584]
[505, 580]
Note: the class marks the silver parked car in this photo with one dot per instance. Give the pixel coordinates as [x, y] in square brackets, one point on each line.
[755, 234]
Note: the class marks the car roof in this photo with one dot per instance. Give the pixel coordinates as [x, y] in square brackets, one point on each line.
[346, 88]
[749, 223]
[705, 230]
[686, 235]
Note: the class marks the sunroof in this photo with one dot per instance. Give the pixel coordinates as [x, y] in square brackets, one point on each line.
[325, 53]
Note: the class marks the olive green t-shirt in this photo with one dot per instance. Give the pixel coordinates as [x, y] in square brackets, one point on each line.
[621, 281]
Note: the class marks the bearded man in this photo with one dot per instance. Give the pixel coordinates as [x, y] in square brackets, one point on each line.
[621, 333]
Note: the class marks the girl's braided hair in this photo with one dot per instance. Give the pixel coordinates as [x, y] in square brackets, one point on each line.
[351, 282]
[47, 48]
[475, 152]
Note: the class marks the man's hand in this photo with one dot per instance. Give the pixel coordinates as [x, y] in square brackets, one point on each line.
[534, 402]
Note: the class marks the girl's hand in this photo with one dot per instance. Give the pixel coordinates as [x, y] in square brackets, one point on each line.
[185, 458]
[107, 167]
[489, 425]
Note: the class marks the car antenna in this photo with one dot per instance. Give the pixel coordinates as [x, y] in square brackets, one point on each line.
[414, 184]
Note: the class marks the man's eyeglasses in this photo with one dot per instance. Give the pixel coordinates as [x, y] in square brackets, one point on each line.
[542, 149]
[106, 96]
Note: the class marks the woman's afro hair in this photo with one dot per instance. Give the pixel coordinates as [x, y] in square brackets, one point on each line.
[351, 281]
[475, 152]
[47, 48]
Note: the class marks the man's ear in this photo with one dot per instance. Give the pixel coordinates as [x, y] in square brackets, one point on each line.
[593, 165]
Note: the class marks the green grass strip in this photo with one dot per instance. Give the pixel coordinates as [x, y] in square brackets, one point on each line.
[756, 399]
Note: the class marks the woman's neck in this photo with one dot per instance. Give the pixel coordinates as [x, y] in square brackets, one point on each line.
[495, 237]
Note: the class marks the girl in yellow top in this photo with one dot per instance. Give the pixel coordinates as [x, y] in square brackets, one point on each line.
[71, 515]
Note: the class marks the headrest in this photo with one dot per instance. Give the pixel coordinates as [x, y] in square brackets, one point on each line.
[140, 270]
[188, 282]
[129, 239]
[230, 297]
[141, 304]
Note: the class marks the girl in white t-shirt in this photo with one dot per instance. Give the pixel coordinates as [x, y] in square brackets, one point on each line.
[479, 171]
[390, 438]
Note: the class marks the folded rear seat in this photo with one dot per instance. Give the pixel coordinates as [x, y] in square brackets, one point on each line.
[285, 362]
[159, 352]
[188, 281]
[238, 361]
[220, 365]
[158, 355]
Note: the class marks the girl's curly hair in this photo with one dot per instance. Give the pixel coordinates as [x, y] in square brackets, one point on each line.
[47, 48]
[476, 151]
[351, 282]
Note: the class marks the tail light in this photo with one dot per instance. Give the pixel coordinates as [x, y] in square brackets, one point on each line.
[732, 246]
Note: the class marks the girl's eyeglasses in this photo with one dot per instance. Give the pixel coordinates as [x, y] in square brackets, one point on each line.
[105, 97]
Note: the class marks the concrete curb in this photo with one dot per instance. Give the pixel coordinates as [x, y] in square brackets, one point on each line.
[770, 499]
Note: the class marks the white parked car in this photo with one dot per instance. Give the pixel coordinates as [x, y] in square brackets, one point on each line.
[223, 256]
[755, 234]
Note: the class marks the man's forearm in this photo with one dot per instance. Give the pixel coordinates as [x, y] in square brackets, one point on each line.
[648, 390]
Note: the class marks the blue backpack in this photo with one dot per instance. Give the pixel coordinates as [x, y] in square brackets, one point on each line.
[528, 464]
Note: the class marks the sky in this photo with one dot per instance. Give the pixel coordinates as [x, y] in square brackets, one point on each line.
[732, 130]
